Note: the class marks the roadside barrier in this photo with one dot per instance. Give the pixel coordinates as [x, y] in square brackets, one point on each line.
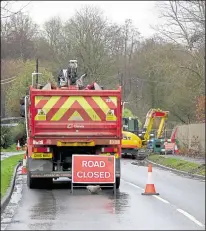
[169, 147]
[150, 188]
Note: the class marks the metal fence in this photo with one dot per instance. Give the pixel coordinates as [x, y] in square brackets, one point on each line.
[191, 139]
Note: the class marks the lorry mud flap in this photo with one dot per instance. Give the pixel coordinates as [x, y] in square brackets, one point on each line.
[39, 165]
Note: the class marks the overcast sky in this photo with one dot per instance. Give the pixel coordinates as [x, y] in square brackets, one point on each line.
[142, 13]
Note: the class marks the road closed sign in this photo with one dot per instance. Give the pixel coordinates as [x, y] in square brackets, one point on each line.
[93, 169]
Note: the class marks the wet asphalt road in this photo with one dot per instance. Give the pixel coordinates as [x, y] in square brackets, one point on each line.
[180, 206]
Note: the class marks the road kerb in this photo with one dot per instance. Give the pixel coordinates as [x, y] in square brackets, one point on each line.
[177, 171]
[5, 200]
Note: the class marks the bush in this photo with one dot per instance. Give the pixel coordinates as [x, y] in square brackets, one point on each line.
[19, 133]
[10, 135]
[6, 137]
[17, 89]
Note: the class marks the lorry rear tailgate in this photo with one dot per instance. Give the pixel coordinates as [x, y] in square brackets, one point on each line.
[72, 113]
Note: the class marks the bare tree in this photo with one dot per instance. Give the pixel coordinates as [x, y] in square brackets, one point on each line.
[87, 32]
[7, 12]
[18, 33]
[184, 22]
[184, 25]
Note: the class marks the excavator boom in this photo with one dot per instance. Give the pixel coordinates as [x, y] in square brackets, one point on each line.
[151, 115]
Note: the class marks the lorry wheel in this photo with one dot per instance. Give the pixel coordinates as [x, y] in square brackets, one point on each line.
[117, 182]
[31, 182]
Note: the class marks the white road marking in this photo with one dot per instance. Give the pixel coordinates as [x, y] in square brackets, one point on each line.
[134, 185]
[190, 217]
[158, 197]
[161, 199]
[167, 202]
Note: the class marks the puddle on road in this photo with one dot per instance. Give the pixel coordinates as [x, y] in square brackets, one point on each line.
[59, 205]
[120, 203]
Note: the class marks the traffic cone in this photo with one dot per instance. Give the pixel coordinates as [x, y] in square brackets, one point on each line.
[24, 170]
[150, 188]
[18, 146]
[176, 149]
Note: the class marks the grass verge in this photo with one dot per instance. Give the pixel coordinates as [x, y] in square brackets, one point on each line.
[7, 169]
[178, 164]
[12, 148]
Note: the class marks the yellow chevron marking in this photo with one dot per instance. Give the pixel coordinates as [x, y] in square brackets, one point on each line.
[67, 104]
[51, 102]
[100, 102]
[37, 99]
[89, 110]
[49, 105]
[81, 100]
[76, 116]
[103, 105]
[114, 100]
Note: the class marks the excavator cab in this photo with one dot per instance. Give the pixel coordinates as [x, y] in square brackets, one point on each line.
[130, 125]
[130, 142]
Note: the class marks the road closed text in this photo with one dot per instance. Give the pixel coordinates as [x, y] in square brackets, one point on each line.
[93, 169]
[93, 174]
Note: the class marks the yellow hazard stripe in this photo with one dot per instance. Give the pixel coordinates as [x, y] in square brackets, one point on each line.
[114, 100]
[38, 99]
[100, 102]
[69, 102]
[51, 102]
[49, 105]
[63, 109]
[89, 110]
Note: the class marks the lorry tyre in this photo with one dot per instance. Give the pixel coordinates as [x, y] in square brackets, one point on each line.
[117, 182]
[31, 182]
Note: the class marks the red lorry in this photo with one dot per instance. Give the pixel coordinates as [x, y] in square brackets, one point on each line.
[65, 121]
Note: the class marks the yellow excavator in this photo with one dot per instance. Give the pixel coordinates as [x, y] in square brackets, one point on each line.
[134, 141]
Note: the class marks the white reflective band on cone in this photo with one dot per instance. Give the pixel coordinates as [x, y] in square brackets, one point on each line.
[149, 180]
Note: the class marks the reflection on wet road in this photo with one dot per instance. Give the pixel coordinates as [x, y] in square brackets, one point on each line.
[58, 209]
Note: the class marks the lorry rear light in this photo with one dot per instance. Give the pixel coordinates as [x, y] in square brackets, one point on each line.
[109, 149]
[41, 149]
